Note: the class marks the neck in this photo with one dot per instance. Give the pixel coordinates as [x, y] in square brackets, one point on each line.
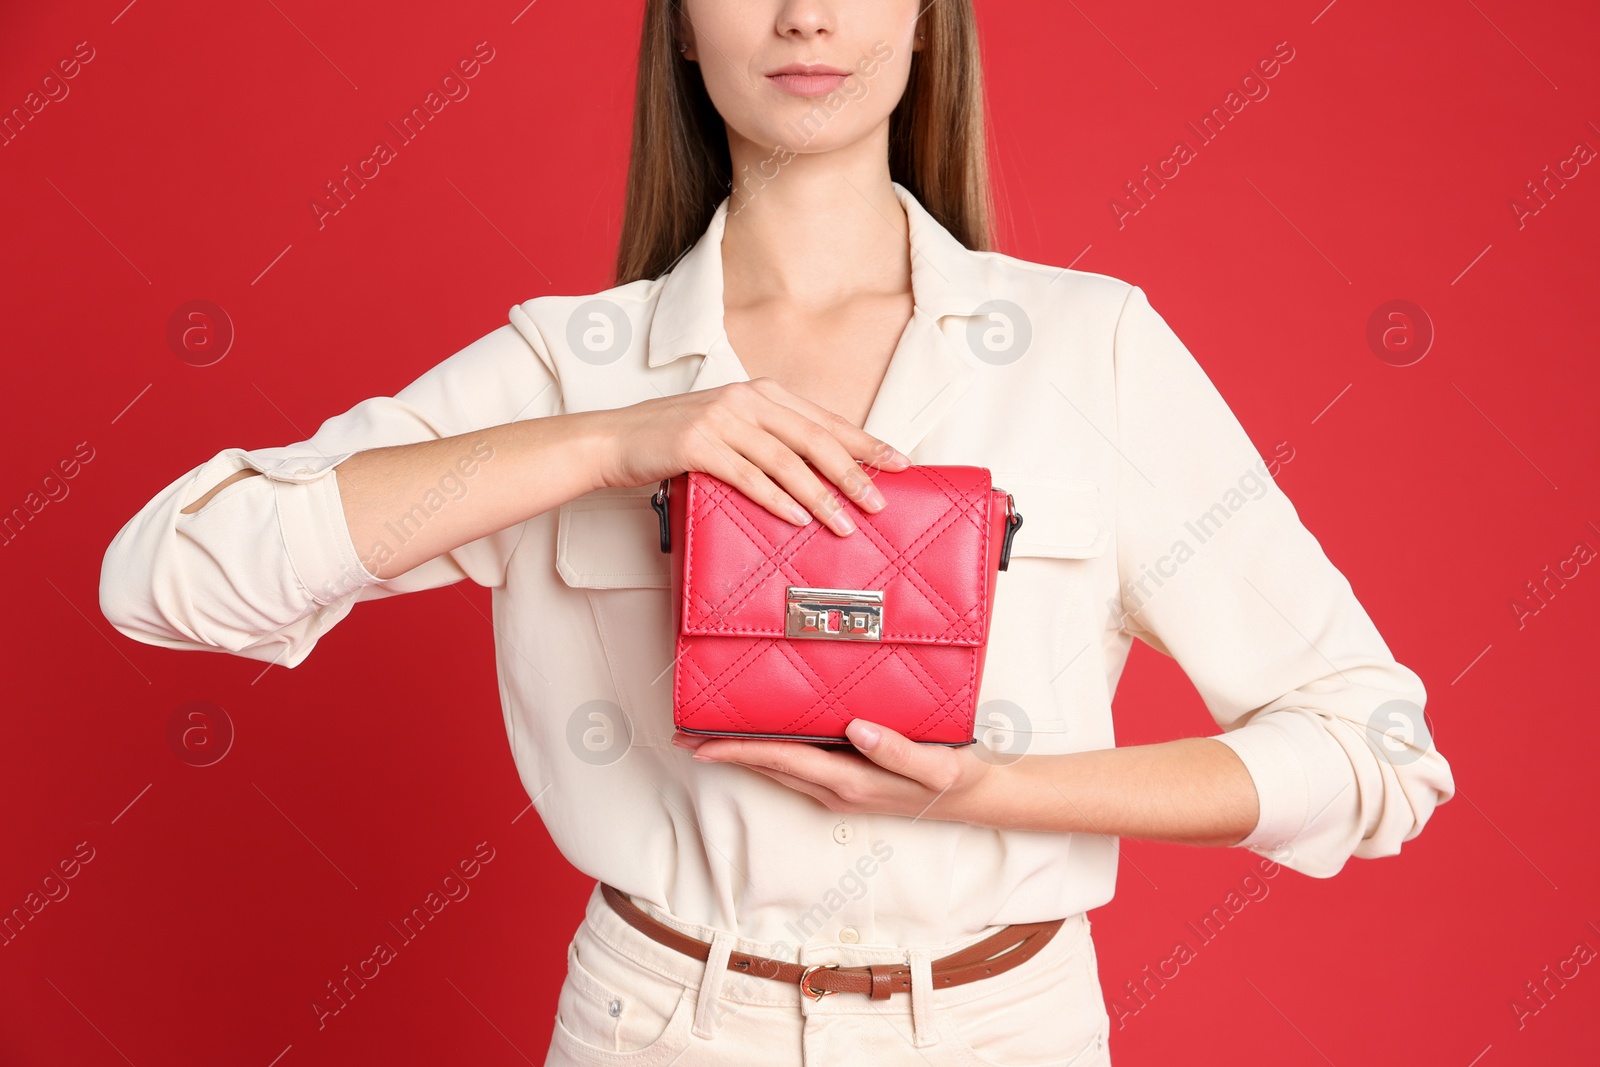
[813, 229]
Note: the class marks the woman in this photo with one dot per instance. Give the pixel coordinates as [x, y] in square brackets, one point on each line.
[812, 173]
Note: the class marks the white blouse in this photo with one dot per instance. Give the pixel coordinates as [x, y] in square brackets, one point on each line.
[1147, 513]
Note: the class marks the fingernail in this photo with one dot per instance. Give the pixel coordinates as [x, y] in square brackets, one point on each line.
[866, 735]
[705, 758]
[843, 523]
[874, 499]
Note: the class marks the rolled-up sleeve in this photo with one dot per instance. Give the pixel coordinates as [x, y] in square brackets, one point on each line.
[1217, 571]
[268, 565]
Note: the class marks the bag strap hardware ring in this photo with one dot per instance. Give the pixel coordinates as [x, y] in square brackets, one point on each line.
[658, 500]
[1013, 524]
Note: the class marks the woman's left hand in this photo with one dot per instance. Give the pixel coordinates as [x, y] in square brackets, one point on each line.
[897, 777]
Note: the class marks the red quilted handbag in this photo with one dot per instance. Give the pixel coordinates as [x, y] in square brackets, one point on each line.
[790, 632]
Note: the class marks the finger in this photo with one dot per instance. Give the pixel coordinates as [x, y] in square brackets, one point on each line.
[891, 795]
[739, 471]
[873, 451]
[822, 794]
[790, 478]
[801, 454]
[828, 770]
[829, 777]
[783, 756]
[843, 453]
[928, 765]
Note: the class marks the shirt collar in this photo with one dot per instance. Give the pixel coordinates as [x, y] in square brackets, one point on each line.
[946, 279]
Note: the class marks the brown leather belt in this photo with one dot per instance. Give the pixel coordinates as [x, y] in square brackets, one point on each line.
[995, 954]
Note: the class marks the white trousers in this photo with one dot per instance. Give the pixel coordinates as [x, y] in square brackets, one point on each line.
[629, 1001]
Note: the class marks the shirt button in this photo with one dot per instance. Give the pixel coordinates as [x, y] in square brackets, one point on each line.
[849, 934]
[843, 832]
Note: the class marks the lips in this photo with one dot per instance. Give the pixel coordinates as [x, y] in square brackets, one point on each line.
[808, 79]
[807, 68]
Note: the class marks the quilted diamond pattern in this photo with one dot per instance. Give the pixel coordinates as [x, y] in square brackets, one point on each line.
[924, 550]
[934, 551]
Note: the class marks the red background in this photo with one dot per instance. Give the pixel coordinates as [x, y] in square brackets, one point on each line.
[220, 899]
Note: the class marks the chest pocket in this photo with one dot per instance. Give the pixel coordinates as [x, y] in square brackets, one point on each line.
[1061, 518]
[1046, 642]
[608, 547]
[610, 539]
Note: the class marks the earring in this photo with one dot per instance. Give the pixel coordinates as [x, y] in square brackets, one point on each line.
[683, 46]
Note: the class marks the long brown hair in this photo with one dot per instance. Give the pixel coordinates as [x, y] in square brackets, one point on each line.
[680, 168]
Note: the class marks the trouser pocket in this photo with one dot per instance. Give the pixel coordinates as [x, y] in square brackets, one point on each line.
[612, 1010]
[1046, 1012]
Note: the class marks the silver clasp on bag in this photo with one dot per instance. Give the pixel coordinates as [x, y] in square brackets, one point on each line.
[835, 614]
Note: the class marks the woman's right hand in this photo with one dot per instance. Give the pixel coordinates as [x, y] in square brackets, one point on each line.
[758, 437]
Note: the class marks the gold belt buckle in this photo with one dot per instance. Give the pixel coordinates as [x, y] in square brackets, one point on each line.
[815, 994]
